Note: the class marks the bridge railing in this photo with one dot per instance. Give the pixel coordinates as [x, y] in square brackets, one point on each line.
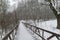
[37, 31]
[11, 35]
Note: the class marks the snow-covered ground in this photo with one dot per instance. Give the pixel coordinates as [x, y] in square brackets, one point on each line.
[49, 25]
[24, 34]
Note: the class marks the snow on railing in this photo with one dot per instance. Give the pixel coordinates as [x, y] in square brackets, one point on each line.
[37, 30]
[11, 34]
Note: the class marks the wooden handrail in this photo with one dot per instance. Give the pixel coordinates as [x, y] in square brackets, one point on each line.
[45, 30]
[9, 33]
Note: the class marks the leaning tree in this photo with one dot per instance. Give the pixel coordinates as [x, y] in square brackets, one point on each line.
[56, 14]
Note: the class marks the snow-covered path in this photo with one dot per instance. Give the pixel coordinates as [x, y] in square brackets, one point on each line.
[22, 33]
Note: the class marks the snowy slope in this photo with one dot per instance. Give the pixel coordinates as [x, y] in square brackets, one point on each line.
[49, 25]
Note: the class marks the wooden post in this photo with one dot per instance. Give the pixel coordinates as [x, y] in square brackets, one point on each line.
[42, 34]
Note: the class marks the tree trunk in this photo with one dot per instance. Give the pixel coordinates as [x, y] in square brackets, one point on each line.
[58, 21]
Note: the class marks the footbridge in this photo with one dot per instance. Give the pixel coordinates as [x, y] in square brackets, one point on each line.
[36, 30]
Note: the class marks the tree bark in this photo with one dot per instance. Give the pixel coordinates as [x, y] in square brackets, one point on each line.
[58, 21]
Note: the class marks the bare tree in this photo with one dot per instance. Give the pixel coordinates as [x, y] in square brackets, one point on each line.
[56, 14]
[3, 8]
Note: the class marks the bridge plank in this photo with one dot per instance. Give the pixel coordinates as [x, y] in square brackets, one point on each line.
[50, 37]
[9, 33]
